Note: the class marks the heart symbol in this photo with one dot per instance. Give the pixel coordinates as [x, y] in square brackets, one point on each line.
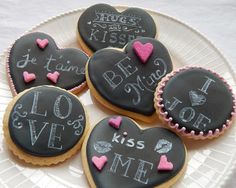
[196, 99]
[28, 77]
[115, 122]
[164, 164]
[132, 158]
[42, 43]
[53, 76]
[143, 51]
[99, 162]
[120, 79]
[25, 55]
[101, 26]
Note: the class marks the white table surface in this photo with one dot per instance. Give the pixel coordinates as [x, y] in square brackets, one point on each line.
[215, 19]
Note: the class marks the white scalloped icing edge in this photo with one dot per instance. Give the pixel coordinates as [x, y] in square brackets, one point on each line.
[163, 114]
[233, 72]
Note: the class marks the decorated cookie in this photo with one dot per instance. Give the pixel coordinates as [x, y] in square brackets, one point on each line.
[102, 26]
[196, 102]
[45, 125]
[35, 60]
[127, 156]
[125, 81]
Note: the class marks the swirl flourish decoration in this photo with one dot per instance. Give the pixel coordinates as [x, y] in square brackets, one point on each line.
[16, 115]
[127, 29]
[104, 26]
[77, 125]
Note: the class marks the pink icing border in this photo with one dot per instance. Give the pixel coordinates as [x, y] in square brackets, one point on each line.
[163, 114]
[74, 90]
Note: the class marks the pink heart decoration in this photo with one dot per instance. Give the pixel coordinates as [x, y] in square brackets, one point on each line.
[53, 76]
[28, 77]
[115, 122]
[42, 43]
[143, 51]
[99, 162]
[164, 164]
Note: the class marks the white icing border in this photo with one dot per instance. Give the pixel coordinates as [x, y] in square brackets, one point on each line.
[164, 114]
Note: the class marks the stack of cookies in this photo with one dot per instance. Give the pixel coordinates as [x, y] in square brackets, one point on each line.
[129, 72]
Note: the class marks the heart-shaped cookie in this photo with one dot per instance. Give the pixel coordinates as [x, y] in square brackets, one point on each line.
[122, 82]
[102, 26]
[38, 54]
[139, 158]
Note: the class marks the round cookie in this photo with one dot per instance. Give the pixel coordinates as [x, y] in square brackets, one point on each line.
[125, 81]
[45, 125]
[34, 60]
[196, 102]
[101, 26]
[114, 154]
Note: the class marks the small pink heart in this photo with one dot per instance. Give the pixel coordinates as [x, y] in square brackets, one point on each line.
[42, 43]
[143, 51]
[99, 162]
[53, 76]
[164, 164]
[115, 122]
[28, 77]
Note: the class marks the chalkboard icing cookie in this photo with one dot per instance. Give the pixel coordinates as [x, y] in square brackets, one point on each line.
[45, 125]
[132, 157]
[196, 102]
[34, 60]
[125, 81]
[102, 26]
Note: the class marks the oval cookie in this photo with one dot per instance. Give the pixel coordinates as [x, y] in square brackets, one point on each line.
[117, 153]
[125, 81]
[45, 125]
[34, 60]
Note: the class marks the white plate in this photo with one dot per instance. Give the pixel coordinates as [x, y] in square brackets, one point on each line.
[210, 163]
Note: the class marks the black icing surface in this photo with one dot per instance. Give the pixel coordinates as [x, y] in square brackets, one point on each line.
[69, 62]
[29, 115]
[140, 83]
[214, 101]
[101, 26]
[150, 154]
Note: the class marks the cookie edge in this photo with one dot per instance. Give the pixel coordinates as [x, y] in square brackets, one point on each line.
[36, 160]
